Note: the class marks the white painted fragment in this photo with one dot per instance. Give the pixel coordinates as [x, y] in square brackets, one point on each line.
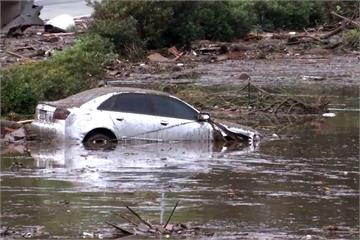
[64, 22]
[329, 114]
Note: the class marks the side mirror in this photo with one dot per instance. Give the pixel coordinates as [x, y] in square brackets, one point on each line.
[203, 117]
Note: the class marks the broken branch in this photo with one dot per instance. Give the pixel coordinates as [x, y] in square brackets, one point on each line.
[126, 232]
[126, 219]
[172, 213]
[335, 31]
[16, 55]
[138, 216]
[356, 24]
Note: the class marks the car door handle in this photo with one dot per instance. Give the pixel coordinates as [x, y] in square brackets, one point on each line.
[164, 123]
[120, 119]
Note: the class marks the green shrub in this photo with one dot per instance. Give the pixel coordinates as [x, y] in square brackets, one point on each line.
[275, 14]
[156, 24]
[352, 39]
[66, 73]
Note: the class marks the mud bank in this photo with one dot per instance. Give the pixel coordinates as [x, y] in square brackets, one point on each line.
[276, 71]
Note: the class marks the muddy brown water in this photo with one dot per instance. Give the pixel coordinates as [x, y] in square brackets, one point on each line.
[294, 187]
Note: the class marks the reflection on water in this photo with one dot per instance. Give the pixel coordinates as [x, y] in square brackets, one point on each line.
[285, 189]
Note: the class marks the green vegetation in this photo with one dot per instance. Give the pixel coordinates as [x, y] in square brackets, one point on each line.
[273, 14]
[352, 38]
[134, 25]
[66, 73]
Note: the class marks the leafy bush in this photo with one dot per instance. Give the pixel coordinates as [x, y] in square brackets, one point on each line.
[66, 73]
[137, 25]
[275, 14]
[155, 24]
[352, 39]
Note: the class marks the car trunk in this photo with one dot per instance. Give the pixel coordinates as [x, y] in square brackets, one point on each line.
[44, 113]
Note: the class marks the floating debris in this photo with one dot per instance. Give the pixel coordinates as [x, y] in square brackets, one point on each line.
[144, 227]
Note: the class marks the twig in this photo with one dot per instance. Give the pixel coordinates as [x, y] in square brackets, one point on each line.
[25, 47]
[172, 213]
[16, 55]
[142, 220]
[281, 104]
[120, 229]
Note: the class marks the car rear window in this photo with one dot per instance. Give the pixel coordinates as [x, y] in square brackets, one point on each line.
[156, 105]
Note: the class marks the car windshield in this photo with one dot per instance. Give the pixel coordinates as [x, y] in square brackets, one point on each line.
[157, 105]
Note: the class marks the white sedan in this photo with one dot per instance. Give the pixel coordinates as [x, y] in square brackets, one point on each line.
[101, 116]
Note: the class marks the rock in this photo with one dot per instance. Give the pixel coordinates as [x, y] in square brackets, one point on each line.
[15, 136]
[222, 57]
[244, 76]
[157, 57]
[176, 68]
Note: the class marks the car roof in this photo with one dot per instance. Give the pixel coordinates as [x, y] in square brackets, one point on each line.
[80, 98]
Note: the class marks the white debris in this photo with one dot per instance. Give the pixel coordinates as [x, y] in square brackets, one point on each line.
[274, 135]
[63, 22]
[88, 235]
[329, 114]
[313, 78]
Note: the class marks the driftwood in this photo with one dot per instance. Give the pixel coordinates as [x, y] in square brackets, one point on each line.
[335, 31]
[354, 23]
[16, 54]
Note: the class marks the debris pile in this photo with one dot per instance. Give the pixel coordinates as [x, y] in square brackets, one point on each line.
[260, 45]
[143, 227]
[38, 43]
[251, 99]
[12, 132]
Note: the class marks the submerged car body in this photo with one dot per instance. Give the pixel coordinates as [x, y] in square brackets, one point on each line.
[109, 114]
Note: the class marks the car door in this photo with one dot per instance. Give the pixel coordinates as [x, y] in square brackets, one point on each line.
[132, 115]
[178, 121]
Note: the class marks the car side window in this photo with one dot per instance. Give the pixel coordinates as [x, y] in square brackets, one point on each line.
[128, 102]
[157, 105]
[170, 107]
[107, 104]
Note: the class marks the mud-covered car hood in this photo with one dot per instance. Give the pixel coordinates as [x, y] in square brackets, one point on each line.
[252, 134]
